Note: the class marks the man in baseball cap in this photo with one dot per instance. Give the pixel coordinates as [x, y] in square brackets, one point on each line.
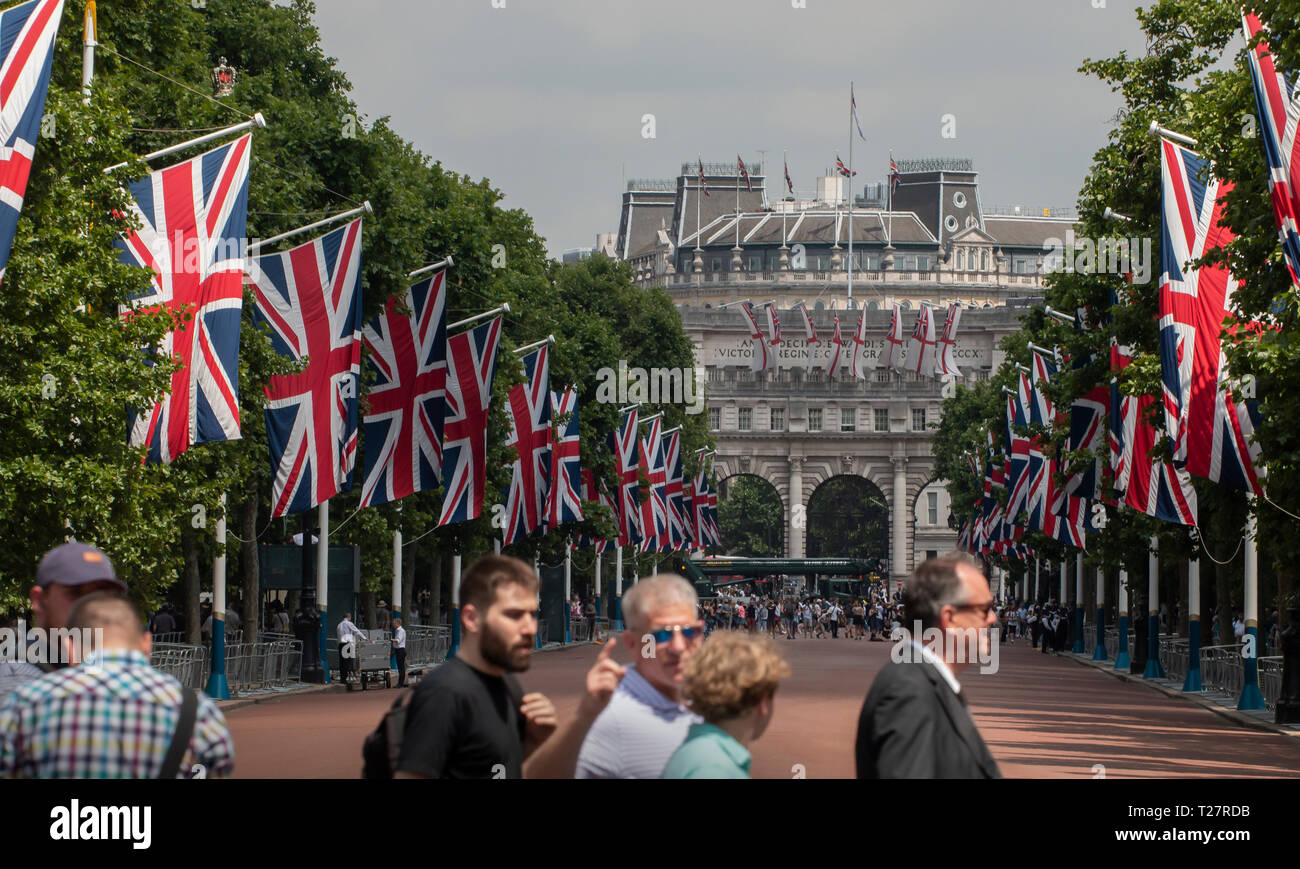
[66, 574]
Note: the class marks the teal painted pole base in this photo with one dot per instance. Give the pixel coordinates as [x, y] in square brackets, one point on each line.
[1122, 660]
[597, 613]
[1251, 698]
[568, 632]
[1099, 650]
[1192, 681]
[218, 688]
[392, 656]
[618, 613]
[1153, 669]
[324, 654]
[1078, 631]
[455, 633]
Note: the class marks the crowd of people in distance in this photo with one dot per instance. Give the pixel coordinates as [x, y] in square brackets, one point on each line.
[1047, 625]
[737, 608]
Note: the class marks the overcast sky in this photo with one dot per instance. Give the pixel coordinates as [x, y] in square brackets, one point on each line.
[546, 98]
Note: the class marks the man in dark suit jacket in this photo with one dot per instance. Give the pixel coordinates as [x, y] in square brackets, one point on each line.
[915, 722]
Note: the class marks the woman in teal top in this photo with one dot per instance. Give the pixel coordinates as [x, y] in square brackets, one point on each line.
[731, 683]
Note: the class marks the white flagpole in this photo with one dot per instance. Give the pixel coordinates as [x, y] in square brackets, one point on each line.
[397, 574]
[503, 309]
[322, 576]
[363, 208]
[257, 122]
[850, 187]
[440, 264]
[88, 45]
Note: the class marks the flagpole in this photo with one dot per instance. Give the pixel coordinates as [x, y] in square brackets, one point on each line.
[785, 257]
[850, 185]
[322, 581]
[218, 688]
[88, 45]
[503, 309]
[258, 122]
[363, 208]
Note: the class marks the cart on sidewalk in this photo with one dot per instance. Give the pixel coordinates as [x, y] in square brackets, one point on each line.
[373, 660]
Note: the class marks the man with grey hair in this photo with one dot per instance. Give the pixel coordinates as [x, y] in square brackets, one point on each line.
[645, 721]
[915, 722]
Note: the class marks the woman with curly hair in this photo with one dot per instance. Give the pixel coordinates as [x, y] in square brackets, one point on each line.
[731, 683]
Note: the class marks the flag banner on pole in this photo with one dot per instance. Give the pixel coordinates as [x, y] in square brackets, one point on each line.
[858, 358]
[945, 363]
[700, 506]
[837, 350]
[193, 228]
[714, 533]
[760, 360]
[406, 351]
[1072, 525]
[704, 186]
[688, 512]
[809, 333]
[1087, 433]
[853, 107]
[1210, 432]
[895, 178]
[920, 347]
[773, 331]
[654, 512]
[623, 444]
[471, 368]
[27, 36]
[1044, 495]
[842, 169]
[1018, 480]
[310, 298]
[744, 173]
[788, 183]
[674, 491]
[1279, 115]
[893, 357]
[595, 494]
[530, 434]
[1160, 490]
[563, 500]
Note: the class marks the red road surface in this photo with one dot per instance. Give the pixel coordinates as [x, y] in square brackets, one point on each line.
[1042, 716]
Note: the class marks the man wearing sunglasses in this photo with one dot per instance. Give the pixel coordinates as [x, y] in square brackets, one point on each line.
[915, 722]
[645, 721]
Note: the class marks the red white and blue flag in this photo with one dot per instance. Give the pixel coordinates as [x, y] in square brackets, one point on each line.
[564, 499]
[596, 494]
[654, 509]
[1279, 115]
[27, 34]
[530, 435]
[471, 367]
[623, 444]
[193, 222]
[773, 331]
[1018, 476]
[744, 173]
[406, 353]
[788, 183]
[895, 178]
[704, 186]
[945, 363]
[842, 169]
[310, 298]
[674, 490]
[853, 109]
[1211, 433]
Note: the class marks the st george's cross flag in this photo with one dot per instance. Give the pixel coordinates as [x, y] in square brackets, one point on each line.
[809, 332]
[892, 356]
[654, 509]
[761, 360]
[529, 433]
[564, 499]
[406, 355]
[1278, 110]
[773, 333]
[471, 368]
[1157, 489]
[1211, 433]
[921, 346]
[858, 356]
[27, 34]
[945, 361]
[836, 350]
[193, 218]
[310, 298]
[623, 444]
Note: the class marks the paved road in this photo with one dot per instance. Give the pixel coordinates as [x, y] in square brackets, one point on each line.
[1043, 717]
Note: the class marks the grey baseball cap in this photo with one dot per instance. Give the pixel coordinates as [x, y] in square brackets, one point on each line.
[75, 564]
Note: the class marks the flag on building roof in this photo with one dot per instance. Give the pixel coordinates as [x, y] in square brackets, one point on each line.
[744, 173]
[310, 298]
[193, 227]
[853, 108]
[27, 34]
[895, 178]
[842, 169]
[471, 368]
[703, 184]
[788, 183]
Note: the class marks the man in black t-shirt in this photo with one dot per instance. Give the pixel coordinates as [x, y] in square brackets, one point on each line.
[469, 718]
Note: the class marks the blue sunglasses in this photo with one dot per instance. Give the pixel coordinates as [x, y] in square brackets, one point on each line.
[664, 635]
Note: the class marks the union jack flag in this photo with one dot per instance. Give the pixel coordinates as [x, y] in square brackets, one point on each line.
[945, 362]
[689, 497]
[700, 505]
[842, 169]
[837, 350]
[703, 184]
[1018, 478]
[788, 182]
[592, 493]
[1279, 113]
[623, 444]
[471, 367]
[310, 297]
[853, 108]
[654, 509]
[895, 178]
[1210, 432]
[1042, 468]
[1087, 433]
[674, 490]
[893, 357]
[704, 483]
[920, 347]
[193, 218]
[858, 357]
[406, 351]
[1072, 525]
[1159, 490]
[530, 435]
[744, 173]
[761, 360]
[27, 47]
[563, 502]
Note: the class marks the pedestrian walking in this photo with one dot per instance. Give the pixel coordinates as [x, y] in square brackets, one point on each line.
[399, 651]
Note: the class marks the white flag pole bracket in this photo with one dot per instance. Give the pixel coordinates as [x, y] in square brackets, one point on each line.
[1157, 130]
[503, 309]
[519, 351]
[258, 122]
[438, 266]
[363, 208]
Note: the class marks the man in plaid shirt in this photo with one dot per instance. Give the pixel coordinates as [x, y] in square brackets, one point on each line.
[111, 715]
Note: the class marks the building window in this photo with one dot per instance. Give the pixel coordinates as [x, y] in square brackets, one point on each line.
[961, 259]
[747, 418]
[778, 419]
[715, 418]
[755, 263]
[933, 498]
[931, 553]
[984, 260]
[882, 419]
[814, 419]
[717, 264]
[918, 419]
[847, 419]
[923, 263]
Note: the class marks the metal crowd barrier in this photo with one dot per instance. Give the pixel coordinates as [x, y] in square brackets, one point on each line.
[190, 664]
[427, 644]
[1270, 679]
[1221, 669]
[580, 630]
[602, 630]
[263, 666]
[170, 637]
[1174, 657]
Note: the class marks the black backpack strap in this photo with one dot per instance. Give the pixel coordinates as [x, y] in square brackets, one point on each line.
[181, 736]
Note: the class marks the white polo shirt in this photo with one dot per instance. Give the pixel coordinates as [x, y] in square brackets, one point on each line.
[637, 733]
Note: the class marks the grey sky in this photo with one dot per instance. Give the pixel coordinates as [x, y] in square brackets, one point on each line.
[546, 98]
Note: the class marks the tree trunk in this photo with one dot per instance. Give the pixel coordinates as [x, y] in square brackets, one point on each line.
[190, 548]
[248, 563]
[368, 617]
[435, 590]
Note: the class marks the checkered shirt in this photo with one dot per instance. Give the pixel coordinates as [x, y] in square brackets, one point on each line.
[111, 717]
